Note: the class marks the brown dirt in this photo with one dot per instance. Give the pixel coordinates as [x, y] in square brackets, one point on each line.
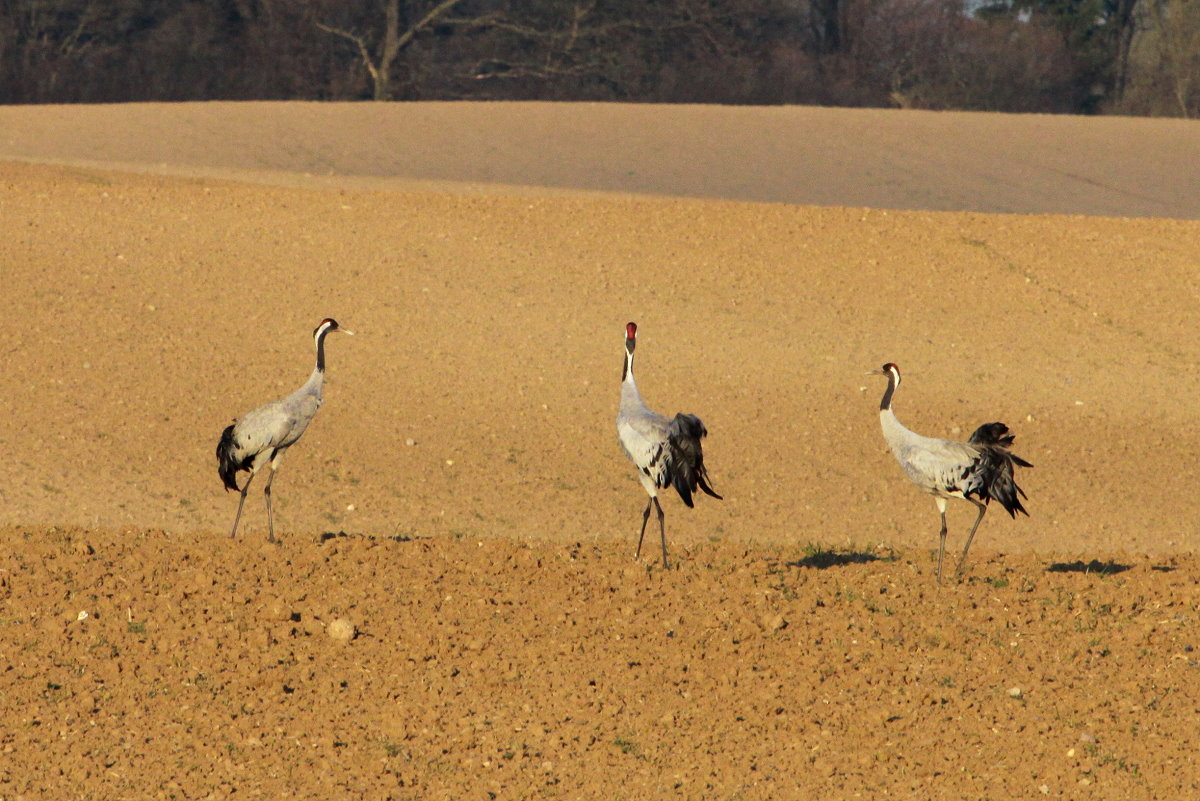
[507, 644]
[949, 161]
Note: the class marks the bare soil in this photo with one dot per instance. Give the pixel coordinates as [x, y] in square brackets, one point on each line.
[919, 160]
[460, 501]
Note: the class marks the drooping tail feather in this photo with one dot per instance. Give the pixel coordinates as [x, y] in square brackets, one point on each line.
[993, 472]
[686, 458]
[227, 467]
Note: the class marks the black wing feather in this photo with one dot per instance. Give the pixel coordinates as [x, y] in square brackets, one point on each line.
[685, 463]
[994, 468]
[227, 467]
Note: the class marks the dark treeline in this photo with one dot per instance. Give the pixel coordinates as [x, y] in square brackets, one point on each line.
[1115, 56]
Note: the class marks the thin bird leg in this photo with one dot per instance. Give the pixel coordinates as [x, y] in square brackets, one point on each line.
[645, 517]
[241, 501]
[941, 504]
[662, 531]
[963, 560]
[270, 511]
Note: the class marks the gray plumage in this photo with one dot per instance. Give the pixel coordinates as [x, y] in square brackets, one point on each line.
[979, 470]
[666, 452]
[261, 437]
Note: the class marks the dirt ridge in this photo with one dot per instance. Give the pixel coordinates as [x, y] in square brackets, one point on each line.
[878, 158]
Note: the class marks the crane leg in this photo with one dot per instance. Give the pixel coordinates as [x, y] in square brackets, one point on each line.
[241, 501]
[270, 511]
[662, 532]
[941, 505]
[963, 559]
[645, 516]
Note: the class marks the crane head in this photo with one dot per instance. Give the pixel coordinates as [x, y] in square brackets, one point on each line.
[888, 369]
[330, 326]
[630, 336]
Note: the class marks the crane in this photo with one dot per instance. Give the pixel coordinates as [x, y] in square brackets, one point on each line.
[262, 436]
[982, 466]
[667, 453]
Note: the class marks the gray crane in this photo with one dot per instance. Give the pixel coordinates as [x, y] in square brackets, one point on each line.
[667, 453]
[982, 466]
[261, 437]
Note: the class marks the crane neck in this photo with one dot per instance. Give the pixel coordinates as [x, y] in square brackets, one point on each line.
[891, 425]
[896, 434]
[631, 399]
[885, 403]
[316, 381]
[320, 339]
[314, 384]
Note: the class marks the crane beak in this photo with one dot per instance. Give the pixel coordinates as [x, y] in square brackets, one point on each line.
[874, 372]
[346, 331]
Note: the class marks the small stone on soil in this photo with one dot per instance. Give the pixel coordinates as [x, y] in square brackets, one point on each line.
[342, 630]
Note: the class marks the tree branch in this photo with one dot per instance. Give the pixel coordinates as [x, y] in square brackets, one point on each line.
[437, 11]
[362, 47]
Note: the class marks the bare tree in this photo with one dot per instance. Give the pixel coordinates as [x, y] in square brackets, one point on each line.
[66, 51]
[680, 51]
[1123, 24]
[379, 59]
[1164, 60]
[1139, 56]
[1178, 24]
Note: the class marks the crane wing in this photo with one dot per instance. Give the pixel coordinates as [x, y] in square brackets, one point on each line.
[937, 465]
[275, 425]
[265, 427]
[992, 474]
[996, 434]
[685, 460]
[643, 437]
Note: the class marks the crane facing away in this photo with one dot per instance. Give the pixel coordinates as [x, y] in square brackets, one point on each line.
[261, 437]
[982, 466]
[667, 453]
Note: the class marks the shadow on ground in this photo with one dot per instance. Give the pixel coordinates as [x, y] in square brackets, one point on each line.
[340, 535]
[1095, 566]
[823, 559]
